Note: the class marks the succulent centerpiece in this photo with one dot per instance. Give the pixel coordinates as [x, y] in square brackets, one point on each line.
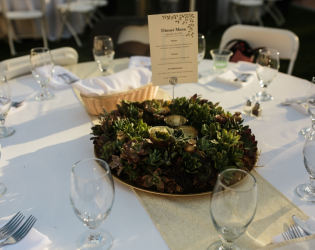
[177, 146]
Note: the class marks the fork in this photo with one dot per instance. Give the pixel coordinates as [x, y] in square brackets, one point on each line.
[292, 233]
[11, 226]
[21, 232]
[67, 79]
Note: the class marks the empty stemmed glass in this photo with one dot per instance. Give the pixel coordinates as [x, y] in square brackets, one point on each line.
[232, 206]
[92, 195]
[310, 103]
[42, 66]
[201, 49]
[103, 51]
[267, 66]
[5, 105]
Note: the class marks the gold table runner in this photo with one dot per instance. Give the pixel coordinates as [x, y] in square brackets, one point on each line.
[185, 223]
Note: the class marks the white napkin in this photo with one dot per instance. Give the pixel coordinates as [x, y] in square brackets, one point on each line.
[279, 238]
[300, 107]
[58, 80]
[34, 240]
[239, 69]
[140, 61]
[120, 82]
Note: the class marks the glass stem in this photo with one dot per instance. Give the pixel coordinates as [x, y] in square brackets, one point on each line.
[264, 90]
[2, 127]
[226, 245]
[95, 235]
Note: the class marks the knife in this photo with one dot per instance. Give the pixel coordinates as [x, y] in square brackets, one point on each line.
[306, 228]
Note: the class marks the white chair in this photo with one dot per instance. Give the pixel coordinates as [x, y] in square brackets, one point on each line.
[274, 12]
[24, 15]
[85, 8]
[18, 66]
[285, 41]
[251, 5]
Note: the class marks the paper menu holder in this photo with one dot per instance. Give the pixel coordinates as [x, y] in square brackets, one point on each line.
[173, 81]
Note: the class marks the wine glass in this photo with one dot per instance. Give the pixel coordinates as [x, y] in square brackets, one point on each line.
[42, 66]
[307, 191]
[267, 66]
[5, 105]
[3, 187]
[92, 195]
[310, 103]
[103, 51]
[232, 206]
[201, 49]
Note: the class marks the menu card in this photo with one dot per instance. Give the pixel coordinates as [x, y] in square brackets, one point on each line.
[174, 47]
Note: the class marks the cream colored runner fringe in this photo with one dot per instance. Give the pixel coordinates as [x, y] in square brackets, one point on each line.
[185, 224]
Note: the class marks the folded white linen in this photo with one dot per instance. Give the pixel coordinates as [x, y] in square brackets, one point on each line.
[61, 77]
[140, 61]
[122, 81]
[300, 107]
[34, 240]
[279, 238]
[229, 77]
[240, 68]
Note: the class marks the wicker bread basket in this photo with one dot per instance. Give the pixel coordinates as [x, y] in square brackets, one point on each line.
[95, 105]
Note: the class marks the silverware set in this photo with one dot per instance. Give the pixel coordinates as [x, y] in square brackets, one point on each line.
[67, 78]
[7, 230]
[294, 231]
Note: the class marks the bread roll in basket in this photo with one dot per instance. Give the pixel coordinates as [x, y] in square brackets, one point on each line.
[95, 104]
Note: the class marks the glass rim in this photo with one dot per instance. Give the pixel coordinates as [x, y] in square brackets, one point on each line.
[44, 49]
[107, 172]
[102, 37]
[264, 50]
[226, 51]
[240, 170]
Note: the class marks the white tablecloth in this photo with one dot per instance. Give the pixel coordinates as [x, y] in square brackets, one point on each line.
[51, 136]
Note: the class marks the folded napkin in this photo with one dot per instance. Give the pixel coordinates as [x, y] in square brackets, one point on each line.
[140, 61]
[120, 82]
[300, 107]
[34, 240]
[240, 68]
[279, 238]
[61, 77]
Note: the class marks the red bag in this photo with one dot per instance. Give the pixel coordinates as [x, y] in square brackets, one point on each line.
[241, 51]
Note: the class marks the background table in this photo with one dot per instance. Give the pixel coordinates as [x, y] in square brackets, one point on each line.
[51, 136]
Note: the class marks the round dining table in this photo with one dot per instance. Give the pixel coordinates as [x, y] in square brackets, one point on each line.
[51, 136]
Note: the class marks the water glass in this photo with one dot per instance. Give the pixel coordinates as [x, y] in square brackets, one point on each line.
[307, 191]
[267, 67]
[310, 103]
[201, 48]
[5, 105]
[103, 51]
[92, 195]
[42, 66]
[232, 206]
[3, 187]
[220, 59]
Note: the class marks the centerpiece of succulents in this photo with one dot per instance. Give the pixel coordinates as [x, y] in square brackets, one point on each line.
[177, 146]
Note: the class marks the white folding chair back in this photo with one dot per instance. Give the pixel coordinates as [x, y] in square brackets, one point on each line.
[85, 8]
[285, 41]
[18, 66]
[24, 15]
[134, 33]
[254, 5]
